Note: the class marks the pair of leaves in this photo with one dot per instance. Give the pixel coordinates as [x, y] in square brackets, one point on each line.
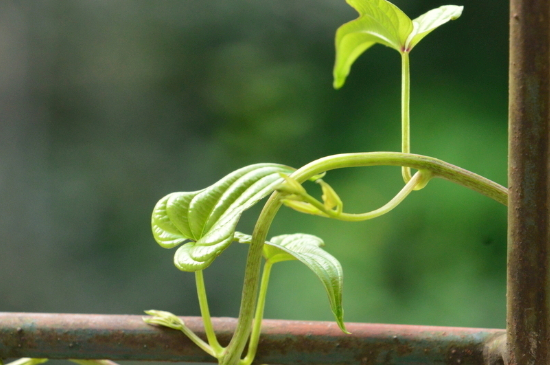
[382, 22]
[207, 218]
[307, 249]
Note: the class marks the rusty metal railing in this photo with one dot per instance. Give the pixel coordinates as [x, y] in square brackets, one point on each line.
[528, 306]
[123, 337]
[526, 340]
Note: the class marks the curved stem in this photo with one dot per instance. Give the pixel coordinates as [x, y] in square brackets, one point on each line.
[405, 111]
[252, 272]
[255, 336]
[205, 313]
[394, 202]
[437, 168]
[198, 341]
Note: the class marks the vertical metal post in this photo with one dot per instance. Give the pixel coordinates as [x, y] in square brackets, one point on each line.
[528, 293]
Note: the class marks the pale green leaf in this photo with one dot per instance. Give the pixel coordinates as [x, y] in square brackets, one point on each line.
[165, 231]
[429, 21]
[382, 22]
[184, 260]
[307, 249]
[379, 22]
[331, 200]
[208, 217]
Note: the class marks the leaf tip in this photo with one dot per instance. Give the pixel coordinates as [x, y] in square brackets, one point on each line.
[342, 326]
[458, 13]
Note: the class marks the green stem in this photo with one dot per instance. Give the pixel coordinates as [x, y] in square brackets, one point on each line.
[405, 111]
[250, 287]
[205, 313]
[437, 167]
[255, 336]
[199, 342]
[349, 217]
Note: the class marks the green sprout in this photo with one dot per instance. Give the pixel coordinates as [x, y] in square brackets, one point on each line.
[382, 22]
[203, 223]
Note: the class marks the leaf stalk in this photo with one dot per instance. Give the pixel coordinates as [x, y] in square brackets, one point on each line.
[205, 314]
[255, 336]
[405, 111]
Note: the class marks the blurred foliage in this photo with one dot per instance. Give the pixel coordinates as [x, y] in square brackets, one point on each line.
[107, 106]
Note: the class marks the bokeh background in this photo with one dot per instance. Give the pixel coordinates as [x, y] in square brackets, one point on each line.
[107, 106]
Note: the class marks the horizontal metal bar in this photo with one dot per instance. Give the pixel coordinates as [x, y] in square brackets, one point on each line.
[127, 337]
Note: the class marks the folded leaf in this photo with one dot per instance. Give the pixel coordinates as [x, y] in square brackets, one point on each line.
[208, 217]
[427, 22]
[307, 249]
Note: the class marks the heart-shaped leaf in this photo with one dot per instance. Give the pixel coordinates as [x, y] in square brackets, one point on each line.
[382, 22]
[307, 249]
[208, 217]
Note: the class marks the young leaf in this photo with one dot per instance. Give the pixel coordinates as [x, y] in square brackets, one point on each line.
[382, 22]
[379, 22]
[427, 22]
[307, 249]
[208, 217]
[331, 200]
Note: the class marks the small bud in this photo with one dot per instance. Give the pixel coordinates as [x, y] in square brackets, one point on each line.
[330, 198]
[290, 186]
[165, 319]
[317, 177]
[303, 207]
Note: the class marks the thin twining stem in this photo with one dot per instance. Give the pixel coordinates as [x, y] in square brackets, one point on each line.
[394, 202]
[198, 341]
[405, 111]
[205, 313]
[255, 336]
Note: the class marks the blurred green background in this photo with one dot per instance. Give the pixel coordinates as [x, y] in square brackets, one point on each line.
[107, 106]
